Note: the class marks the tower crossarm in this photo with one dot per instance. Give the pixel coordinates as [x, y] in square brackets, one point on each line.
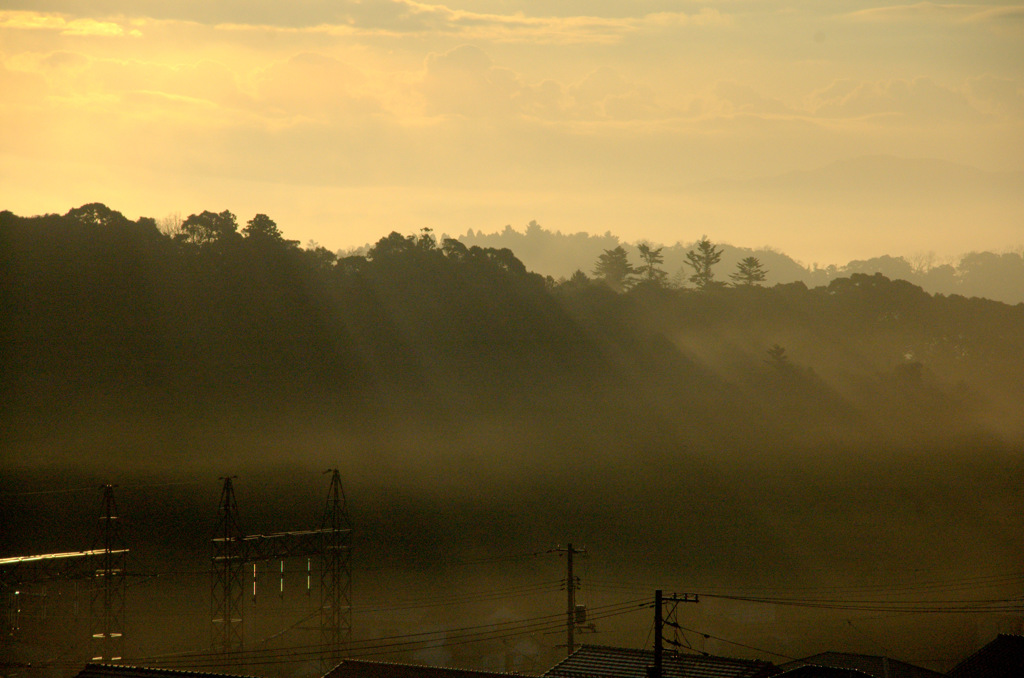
[302, 543]
[47, 566]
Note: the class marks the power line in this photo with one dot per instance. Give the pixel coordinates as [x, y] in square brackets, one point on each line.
[390, 644]
[981, 581]
[92, 488]
[923, 606]
[732, 642]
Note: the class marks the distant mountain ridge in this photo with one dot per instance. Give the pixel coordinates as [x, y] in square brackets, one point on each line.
[996, 276]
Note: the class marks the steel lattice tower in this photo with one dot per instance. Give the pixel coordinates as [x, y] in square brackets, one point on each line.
[107, 607]
[226, 578]
[335, 576]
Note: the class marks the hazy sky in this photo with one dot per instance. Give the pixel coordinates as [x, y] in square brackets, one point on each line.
[346, 119]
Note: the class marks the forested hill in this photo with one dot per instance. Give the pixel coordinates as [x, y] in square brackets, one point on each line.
[229, 339]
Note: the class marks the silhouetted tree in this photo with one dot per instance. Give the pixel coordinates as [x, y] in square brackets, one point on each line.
[504, 259]
[426, 240]
[614, 269]
[990, 275]
[321, 257]
[454, 250]
[262, 228]
[578, 279]
[652, 259]
[170, 225]
[749, 272]
[702, 259]
[393, 244]
[97, 213]
[206, 228]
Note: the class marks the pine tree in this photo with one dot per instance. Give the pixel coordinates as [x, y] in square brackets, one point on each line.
[614, 269]
[702, 259]
[749, 272]
[649, 270]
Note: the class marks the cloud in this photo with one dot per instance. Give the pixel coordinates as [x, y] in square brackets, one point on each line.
[546, 100]
[396, 18]
[315, 86]
[62, 59]
[599, 85]
[21, 20]
[707, 16]
[606, 94]
[464, 81]
[743, 99]
[920, 99]
[1001, 95]
[24, 20]
[938, 12]
[20, 87]
[66, 82]
[1002, 15]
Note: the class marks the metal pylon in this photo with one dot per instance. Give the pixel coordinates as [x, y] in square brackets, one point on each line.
[107, 606]
[226, 576]
[335, 576]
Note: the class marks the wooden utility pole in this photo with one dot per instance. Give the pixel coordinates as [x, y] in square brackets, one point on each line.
[570, 589]
[659, 626]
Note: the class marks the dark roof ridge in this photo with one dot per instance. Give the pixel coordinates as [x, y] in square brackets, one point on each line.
[859, 654]
[875, 660]
[826, 666]
[176, 672]
[429, 666]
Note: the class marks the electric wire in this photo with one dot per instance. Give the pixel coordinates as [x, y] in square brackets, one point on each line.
[375, 648]
[732, 642]
[984, 581]
[557, 618]
[391, 644]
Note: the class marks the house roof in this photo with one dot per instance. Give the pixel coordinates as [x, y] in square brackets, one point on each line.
[872, 665]
[124, 671]
[1003, 656]
[812, 671]
[357, 668]
[598, 661]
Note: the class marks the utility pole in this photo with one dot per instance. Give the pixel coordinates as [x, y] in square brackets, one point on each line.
[107, 608]
[659, 626]
[570, 588]
[658, 640]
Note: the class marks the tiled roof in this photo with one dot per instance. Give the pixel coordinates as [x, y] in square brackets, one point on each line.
[356, 668]
[879, 667]
[123, 671]
[1004, 656]
[596, 661]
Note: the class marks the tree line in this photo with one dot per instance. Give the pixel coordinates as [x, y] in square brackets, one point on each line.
[990, 275]
[614, 269]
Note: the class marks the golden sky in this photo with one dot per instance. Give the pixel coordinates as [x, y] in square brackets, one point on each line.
[828, 130]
